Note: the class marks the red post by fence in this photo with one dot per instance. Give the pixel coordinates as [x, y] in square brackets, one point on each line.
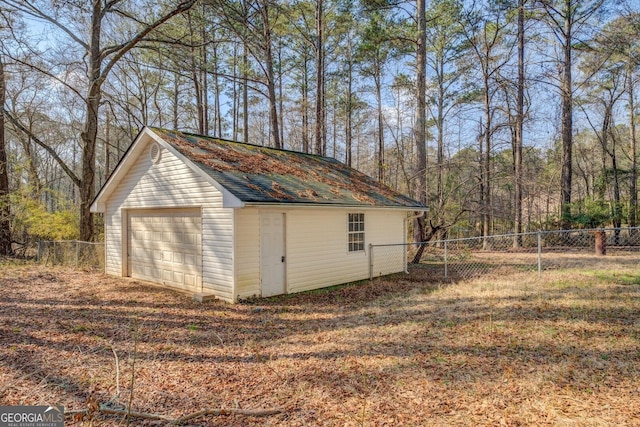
[601, 242]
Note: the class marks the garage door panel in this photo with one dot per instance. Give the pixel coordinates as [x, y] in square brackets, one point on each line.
[190, 239]
[178, 277]
[165, 246]
[189, 260]
[190, 279]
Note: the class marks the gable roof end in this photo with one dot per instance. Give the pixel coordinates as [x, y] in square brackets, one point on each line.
[129, 158]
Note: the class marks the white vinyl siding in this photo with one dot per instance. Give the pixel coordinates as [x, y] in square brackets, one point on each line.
[247, 249]
[317, 252]
[317, 246]
[167, 184]
[217, 252]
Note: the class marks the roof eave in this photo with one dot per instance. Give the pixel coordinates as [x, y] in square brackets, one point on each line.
[334, 205]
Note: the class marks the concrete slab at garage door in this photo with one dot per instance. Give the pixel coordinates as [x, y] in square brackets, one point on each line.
[165, 246]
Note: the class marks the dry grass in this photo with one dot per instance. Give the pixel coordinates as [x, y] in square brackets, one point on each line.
[508, 350]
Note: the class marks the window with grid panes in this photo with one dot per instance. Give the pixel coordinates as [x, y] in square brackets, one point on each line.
[356, 232]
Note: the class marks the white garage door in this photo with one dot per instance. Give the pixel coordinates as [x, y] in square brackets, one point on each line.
[165, 246]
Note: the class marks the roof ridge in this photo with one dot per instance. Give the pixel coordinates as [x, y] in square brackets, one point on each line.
[231, 141]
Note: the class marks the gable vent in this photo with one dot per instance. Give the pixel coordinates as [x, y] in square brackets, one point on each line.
[155, 152]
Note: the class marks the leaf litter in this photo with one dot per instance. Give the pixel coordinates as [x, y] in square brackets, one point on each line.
[404, 350]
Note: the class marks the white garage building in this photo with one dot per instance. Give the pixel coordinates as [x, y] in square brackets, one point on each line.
[233, 220]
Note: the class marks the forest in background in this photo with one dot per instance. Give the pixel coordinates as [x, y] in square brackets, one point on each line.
[500, 115]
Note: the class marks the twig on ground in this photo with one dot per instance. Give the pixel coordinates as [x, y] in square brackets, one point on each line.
[133, 369]
[181, 420]
[218, 412]
[115, 355]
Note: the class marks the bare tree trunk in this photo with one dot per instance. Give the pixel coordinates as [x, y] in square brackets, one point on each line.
[90, 133]
[517, 152]
[617, 204]
[216, 84]
[601, 243]
[204, 68]
[195, 78]
[482, 180]
[421, 120]
[320, 107]
[633, 176]
[600, 190]
[5, 212]
[204, 78]
[567, 118]
[245, 93]
[378, 82]
[348, 137]
[175, 98]
[486, 164]
[271, 82]
[107, 143]
[280, 97]
[440, 128]
[348, 129]
[305, 105]
[236, 101]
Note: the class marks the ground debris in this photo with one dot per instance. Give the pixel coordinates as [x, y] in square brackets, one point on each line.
[403, 350]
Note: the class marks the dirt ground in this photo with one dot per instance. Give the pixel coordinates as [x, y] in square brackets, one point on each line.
[410, 350]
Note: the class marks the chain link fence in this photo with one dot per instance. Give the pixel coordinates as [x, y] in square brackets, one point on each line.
[536, 252]
[450, 259]
[74, 253]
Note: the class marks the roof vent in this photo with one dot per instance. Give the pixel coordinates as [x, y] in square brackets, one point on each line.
[155, 152]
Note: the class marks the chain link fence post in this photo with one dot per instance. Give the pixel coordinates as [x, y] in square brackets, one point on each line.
[539, 255]
[446, 269]
[370, 261]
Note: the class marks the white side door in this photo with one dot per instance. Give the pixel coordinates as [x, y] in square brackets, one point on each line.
[272, 253]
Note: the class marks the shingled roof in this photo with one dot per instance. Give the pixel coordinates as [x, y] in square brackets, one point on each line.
[256, 174]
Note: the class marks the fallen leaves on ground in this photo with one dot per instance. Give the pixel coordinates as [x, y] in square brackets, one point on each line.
[406, 350]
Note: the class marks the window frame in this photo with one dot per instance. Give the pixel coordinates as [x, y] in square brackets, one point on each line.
[356, 232]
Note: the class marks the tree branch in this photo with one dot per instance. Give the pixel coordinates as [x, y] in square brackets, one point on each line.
[49, 150]
[46, 73]
[120, 50]
[27, 8]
